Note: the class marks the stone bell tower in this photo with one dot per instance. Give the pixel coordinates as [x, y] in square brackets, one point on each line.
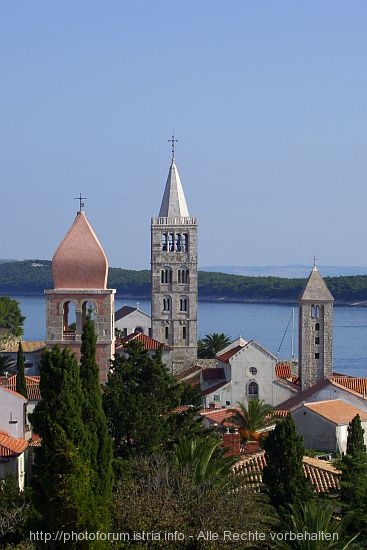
[79, 271]
[174, 277]
[315, 331]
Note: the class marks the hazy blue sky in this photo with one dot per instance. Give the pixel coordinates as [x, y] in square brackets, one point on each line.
[268, 101]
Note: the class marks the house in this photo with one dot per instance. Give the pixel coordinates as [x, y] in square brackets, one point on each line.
[129, 320]
[33, 392]
[244, 371]
[13, 434]
[12, 457]
[349, 390]
[324, 424]
[150, 345]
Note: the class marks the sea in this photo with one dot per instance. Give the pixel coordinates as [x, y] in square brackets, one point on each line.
[271, 325]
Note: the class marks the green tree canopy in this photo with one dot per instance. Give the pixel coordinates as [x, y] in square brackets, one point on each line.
[11, 318]
[353, 482]
[94, 419]
[62, 476]
[283, 474]
[211, 344]
[251, 420]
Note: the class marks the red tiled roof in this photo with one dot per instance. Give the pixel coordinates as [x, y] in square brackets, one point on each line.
[337, 411]
[213, 373]
[225, 357]
[11, 446]
[302, 396]
[322, 474]
[283, 370]
[32, 383]
[217, 416]
[359, 385]
[148, 342]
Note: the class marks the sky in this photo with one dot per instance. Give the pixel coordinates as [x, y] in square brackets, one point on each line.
[267, 101]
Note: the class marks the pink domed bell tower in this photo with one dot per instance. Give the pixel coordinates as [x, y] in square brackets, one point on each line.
[79, 271]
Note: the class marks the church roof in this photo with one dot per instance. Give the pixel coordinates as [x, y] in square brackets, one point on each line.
[173, 202]
[315, 289]
[80, 262]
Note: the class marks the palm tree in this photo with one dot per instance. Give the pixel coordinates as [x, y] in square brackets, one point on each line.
[313, 518]
[204, 459]
[252, 421]
[211, 344]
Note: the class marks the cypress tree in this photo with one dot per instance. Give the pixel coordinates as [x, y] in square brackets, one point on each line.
[283, 474]
[353, 482]
[21, 386]
[94, 418]
[61, 474]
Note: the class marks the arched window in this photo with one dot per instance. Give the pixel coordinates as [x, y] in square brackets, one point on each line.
[69, 321]
[252, 391]
[183, 276]
[138, 330]
[166, 303]
[184, 302]
[88, 307]
[166, 276]
[313, 312]
[185, 242]
[171, 241]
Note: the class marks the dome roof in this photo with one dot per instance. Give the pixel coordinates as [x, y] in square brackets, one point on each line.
[79, 261]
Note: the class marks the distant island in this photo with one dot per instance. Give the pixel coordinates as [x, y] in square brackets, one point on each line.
[32, 277]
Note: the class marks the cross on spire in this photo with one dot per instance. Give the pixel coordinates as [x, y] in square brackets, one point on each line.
[81, 203]
[173, 141]
[314, 260]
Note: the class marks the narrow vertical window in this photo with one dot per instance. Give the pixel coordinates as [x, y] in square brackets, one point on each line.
[164, 242]
[166, 333]
[184, 333]
[185, 242]
[183, 304]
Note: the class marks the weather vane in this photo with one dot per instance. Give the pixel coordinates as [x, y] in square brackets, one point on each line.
[80, 199]
[173, 141]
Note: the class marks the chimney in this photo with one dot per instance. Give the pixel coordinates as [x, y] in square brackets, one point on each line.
[232, 444]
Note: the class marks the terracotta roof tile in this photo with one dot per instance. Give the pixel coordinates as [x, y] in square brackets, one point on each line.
[11, 446]
[32, 383]
[359, 385]
[336, 410]
[217, 416]
[148, 342]
[323, 475]
[283, 370]
[225, 357]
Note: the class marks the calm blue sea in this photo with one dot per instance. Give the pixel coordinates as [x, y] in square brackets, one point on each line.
[265, 323]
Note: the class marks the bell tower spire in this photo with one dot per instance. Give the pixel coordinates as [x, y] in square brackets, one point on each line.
[174, 261]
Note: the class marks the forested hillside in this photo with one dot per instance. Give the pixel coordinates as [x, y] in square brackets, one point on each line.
[34, 276]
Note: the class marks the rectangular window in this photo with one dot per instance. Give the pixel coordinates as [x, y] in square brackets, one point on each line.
[184, 333]
[317, 340]
[166, 333]
[317, 356]
[216, 397]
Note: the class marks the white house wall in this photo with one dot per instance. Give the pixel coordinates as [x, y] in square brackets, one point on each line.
[134, 320]
[12, 413]
[317, 432]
